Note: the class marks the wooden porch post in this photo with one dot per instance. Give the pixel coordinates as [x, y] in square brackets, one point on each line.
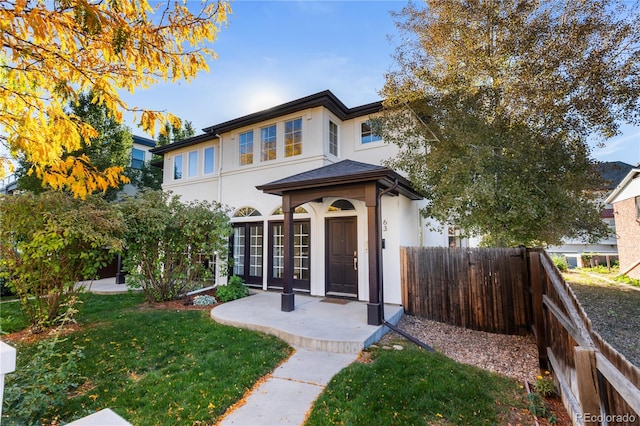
[287, 290]
[374, 307]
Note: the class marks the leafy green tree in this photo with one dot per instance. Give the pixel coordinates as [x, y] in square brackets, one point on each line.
[492, 105]
[49, 242]
[167, 241]
[170, 133]
[110, 148]
[150, 176]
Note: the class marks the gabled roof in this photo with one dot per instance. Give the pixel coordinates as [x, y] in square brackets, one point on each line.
[634, 173]
[343, 172]
[325, 99]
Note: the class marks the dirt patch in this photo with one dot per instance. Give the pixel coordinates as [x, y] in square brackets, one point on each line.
[28, 335]
[614, 311]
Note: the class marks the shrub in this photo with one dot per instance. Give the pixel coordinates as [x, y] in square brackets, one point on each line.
[560, 262]
[167, 239]
[235, 289]
[628, 280]
[49, 242]
[42, 384]
[204, 300]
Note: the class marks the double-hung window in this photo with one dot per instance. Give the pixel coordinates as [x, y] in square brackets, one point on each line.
[268, 143]
[246, 148]
[293, 137]
[137, 158]
[367, 134]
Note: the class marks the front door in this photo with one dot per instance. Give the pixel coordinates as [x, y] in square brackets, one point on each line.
[342, 256]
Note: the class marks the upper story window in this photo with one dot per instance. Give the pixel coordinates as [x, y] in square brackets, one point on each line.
[137, 158]
[246, 148]
[192, 171]
[177, 167]
[293, 137]
[333, 138]
[208, 166]
[367, 134]
[268, 143]
[638, 207]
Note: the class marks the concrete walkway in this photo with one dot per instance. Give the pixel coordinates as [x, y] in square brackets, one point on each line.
[327, 335]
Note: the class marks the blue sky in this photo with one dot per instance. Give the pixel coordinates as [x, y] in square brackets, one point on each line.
[277, 51]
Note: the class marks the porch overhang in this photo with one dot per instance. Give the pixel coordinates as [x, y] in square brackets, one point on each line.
[345, 179]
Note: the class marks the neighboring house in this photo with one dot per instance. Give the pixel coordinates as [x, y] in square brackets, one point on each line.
[313, 209]
[9, 184]
[626, 208]
[139, 156]
[582, 254]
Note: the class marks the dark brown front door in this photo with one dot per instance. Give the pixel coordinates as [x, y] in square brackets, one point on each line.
[342, 256]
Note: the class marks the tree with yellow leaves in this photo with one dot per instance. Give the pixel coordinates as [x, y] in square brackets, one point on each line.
[52, 51]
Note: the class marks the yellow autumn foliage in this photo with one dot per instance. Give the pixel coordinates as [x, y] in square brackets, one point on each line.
[51, 51]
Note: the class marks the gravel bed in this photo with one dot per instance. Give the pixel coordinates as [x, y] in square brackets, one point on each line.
[512, 356]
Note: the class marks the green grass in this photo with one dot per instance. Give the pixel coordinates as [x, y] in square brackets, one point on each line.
[415, 387]
[11, 318]
[160, 367]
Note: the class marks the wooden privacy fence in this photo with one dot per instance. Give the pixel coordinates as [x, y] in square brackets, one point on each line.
[481, 289]
[598, 385]
[516, 291]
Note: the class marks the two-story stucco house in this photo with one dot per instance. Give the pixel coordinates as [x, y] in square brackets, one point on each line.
[314, 211]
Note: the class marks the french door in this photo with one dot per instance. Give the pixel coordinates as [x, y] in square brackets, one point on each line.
[247, 250]
[301, 255]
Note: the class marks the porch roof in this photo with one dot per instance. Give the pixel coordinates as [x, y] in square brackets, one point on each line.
[341, 173]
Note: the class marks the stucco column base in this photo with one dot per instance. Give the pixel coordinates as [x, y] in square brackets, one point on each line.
[287, 302]
[374, 313]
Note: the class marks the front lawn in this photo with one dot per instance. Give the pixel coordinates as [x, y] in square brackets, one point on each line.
[158, 367]
[415, 387]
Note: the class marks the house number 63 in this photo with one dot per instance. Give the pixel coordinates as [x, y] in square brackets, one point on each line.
[384, 225]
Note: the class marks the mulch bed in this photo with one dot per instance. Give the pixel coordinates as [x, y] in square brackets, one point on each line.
[185, 303]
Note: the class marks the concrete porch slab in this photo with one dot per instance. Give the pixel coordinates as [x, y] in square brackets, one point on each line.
[314, 324]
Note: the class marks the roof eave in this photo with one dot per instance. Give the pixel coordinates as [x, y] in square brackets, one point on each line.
[628, 178]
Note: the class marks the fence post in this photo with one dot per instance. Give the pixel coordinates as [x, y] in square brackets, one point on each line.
[535, 278]
[587, 381]
[7, 365]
